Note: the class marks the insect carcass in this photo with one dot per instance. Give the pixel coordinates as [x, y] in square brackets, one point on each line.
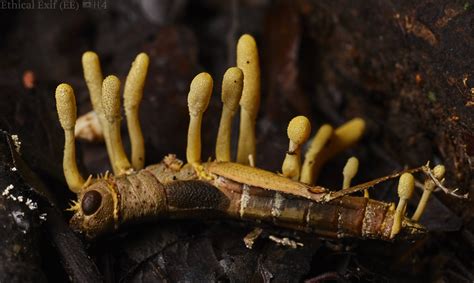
[221, 188]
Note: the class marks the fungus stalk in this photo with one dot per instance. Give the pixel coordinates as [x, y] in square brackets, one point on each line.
[319, 141]
[111, 108]
[248, 62]
[232, 85]
[406, 186]
[343, 137]
[428, 188]
[298, 131]
[349, 172]
[67, 112]
[198, 100]
[93, 77]
[133, 93]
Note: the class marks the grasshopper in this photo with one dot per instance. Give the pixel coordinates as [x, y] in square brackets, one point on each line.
[221, 188]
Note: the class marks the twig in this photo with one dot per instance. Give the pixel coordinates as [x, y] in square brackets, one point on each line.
[427, 170]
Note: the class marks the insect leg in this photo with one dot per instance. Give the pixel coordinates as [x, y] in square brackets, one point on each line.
[111, 108]
[67, 112]
[132, 95]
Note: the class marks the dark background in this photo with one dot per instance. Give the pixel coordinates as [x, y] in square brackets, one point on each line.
[405, 67]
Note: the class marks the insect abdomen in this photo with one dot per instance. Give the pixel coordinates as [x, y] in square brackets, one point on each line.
[344, 217]
[351, 217]
[189, 198]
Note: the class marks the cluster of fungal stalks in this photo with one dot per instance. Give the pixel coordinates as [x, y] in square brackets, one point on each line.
[105, 98]
[240, 86]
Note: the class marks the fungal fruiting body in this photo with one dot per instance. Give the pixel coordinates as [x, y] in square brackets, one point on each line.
[222, 188]
[248, 62]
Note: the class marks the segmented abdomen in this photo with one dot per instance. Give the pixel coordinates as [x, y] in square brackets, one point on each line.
[344, 217]
[142, 195]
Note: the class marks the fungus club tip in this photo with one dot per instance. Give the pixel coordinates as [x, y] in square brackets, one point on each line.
[299, 129]
[89, 56]
[248, 61]
[142, 58]
[232, 85]
[133, 92]
[111, 84]
[439, 171]
[246, 41]
[351, 168]
[406, 186]
[200, 93]
[111, 96]
[359, 124]
[66, 106]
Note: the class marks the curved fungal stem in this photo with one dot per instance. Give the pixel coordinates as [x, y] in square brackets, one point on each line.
[67, 112]
[111, 108]
[93, 77]
[232, 85]
[248, 62]
[298, 132]
[132, 95]
[428, 188]
[349, 172]
[319, 141]
[343, 137]
[198, 99]
[406, 186]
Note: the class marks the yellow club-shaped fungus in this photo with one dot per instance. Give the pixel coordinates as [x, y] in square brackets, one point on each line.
[132, 95]
[320, 140]
[349, 171]
[248, 62]
[67, 112]
[198, 99]
[343, 137]
[93, 77]
[111, 108]
[406, 186]
[428, 188]
[232, 85]
[298, 131]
